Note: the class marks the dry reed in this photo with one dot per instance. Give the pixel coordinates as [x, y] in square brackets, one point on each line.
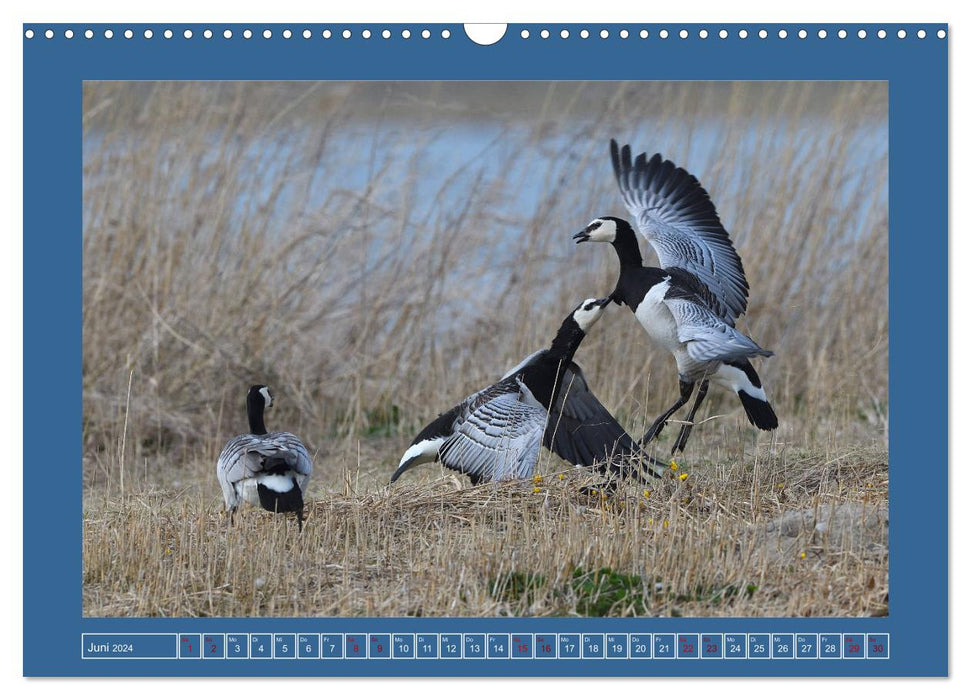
[353, 246]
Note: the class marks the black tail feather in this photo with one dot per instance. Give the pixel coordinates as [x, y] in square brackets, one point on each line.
[759, 412]
[285, 502]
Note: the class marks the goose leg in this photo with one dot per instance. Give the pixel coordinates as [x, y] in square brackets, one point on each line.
[686, 389]
[300, 519]
[686, 428]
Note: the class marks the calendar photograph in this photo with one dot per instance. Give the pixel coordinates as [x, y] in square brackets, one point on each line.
[568, 349]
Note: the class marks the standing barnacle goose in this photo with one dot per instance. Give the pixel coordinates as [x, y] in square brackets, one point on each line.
[496, 433]
[690, 303]
[261, 468]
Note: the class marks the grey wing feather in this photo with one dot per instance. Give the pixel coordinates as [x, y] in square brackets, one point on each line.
[708, 337]
[677, 217]
[498, 439]
[297, 456]
[243, 457]
[582, 431]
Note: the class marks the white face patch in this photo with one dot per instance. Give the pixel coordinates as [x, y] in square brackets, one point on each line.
[605, 231]
[588, 313]
[267, 399]
[421, 452]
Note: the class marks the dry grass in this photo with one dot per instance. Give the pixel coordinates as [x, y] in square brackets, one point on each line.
[722, 542]
[375, 252]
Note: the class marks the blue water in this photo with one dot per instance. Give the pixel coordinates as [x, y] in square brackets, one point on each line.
[484, 184]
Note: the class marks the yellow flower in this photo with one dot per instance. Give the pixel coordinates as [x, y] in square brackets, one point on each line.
[802, 555]
[594, 491]
[647, 494]
[560, 477]
[650, 521]
[666, 523]
[674, 465]
[537, 478]
[536, 489]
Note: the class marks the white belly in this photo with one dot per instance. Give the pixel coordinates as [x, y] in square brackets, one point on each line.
[658, 321]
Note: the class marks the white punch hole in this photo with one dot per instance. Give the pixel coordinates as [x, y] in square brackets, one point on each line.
[485, 34]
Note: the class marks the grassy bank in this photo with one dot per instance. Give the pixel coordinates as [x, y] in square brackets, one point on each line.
[795, 533]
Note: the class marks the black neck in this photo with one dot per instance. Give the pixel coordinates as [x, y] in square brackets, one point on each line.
[567, 340]
[254, 411]
[625, 243]
[545, 377]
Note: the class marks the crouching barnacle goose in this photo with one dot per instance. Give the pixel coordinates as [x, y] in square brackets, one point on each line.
[261, 468]
[496, 433]
[690, 303]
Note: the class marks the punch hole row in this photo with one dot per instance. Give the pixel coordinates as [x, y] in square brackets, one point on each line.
[721, 33]
[245, 34]
[446, 34]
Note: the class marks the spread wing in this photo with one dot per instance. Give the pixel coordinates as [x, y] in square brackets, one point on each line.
[677, 217]
[499, 438]
[582, 431]
[707, 336]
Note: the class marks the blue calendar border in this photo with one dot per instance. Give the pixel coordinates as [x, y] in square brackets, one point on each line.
[916, 71]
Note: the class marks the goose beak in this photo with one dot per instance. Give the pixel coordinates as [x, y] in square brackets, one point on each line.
[603, 302]
[582, 236]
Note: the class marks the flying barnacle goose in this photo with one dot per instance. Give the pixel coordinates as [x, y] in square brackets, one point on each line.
[690, 303]
[264, 469]
[496, 433]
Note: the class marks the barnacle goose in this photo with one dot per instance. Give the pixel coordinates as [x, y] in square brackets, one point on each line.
[690, 303]
[264, 469]
[496, 433]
